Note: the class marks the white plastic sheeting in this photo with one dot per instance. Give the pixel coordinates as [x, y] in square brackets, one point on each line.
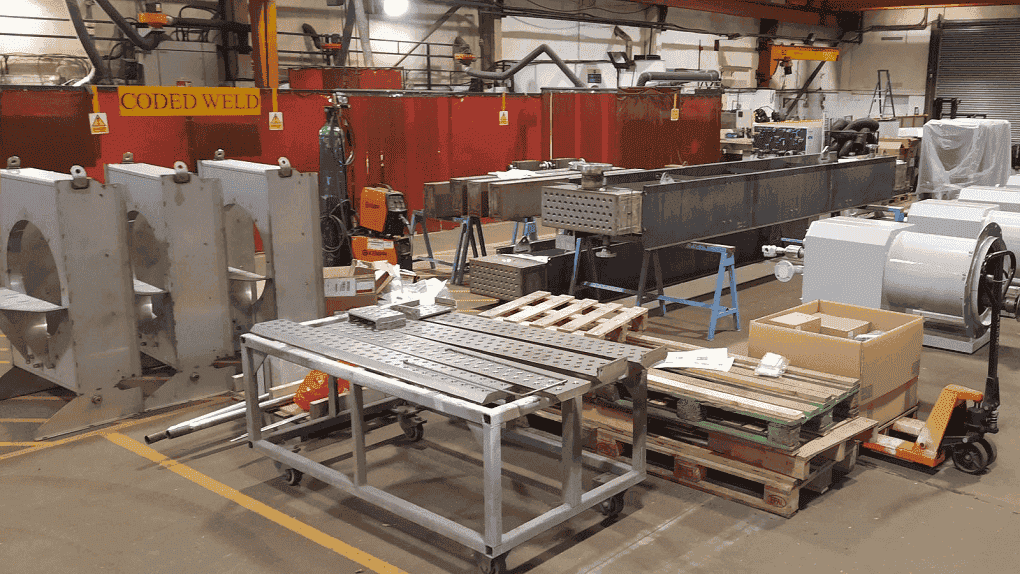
[963, 152]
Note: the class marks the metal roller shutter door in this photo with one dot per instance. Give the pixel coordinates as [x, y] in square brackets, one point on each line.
[979, 63]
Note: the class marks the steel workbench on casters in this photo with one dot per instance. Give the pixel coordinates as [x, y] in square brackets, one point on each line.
[485, 372]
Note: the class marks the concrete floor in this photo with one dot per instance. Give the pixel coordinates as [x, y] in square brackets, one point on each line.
[102, 502]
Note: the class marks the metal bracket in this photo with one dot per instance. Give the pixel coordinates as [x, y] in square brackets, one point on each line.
[14, 162]
[128, 158]
[79, 179]
[285, 169]
[181, 174]
[220, 155]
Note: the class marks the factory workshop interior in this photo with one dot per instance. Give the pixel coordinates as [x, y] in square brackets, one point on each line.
[508, 286]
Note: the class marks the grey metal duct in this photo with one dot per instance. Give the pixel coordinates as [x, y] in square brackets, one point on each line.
[678, 76]
[543, 49]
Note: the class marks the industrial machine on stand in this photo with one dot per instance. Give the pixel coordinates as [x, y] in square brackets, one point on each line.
[665, 209]
[922, 270]
[377, 231]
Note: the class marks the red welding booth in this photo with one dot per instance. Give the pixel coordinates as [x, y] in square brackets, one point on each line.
[403, 139]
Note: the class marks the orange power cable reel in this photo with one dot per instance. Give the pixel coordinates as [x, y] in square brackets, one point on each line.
[315, 386]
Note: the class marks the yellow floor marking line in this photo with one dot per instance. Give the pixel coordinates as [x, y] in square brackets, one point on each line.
[292, 524]
[34, 421]
[34, 398]
[119, 426]
[19, 444]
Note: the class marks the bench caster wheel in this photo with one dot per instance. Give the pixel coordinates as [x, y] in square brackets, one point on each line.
[495, 565]
[293, 476]
[415, 433]
[612, 506]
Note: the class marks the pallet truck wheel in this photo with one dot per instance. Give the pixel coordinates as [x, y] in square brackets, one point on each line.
[970, 458]
[293, 476]
[990, 450]
[495, 565]
[415, 433]
[612, 506]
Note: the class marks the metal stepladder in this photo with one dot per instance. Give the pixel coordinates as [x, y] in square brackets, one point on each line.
[470, 228]
[879, 95]
[727, 265]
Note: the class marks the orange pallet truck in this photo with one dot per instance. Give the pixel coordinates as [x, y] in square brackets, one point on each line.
[954, 429]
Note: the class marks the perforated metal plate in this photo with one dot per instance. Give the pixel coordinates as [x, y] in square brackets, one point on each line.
[559, 360]
[551, 384]
[611, 211]
[567, 341]
[423, 372]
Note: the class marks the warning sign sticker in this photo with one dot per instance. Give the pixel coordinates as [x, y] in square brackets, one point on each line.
[504, 118]
[98, 124]
[276, 121]
[674, 115]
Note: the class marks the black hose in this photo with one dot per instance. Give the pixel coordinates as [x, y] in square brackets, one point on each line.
[679, 76]
[838, 125]
[309, 30]
[102, 72]
[858, 125]
[147, 43]
[524, 62]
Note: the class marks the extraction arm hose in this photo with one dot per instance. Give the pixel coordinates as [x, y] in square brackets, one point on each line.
[678, 76]
[543, 49]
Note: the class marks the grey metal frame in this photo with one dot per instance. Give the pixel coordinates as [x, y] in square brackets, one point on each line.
[491, 541]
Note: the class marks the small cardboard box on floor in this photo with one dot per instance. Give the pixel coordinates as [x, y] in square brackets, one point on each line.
[352, 286]
[887, 365]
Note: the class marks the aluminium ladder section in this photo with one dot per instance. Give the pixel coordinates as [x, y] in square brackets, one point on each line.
[492, 541]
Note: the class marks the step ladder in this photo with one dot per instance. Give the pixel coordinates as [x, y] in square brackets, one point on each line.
[882, 95]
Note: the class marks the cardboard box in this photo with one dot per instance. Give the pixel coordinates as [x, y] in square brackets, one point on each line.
[351, 286]
[842, 327]
[798, 321]
[885, 365]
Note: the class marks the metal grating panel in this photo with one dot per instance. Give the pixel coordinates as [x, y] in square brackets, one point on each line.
[397, 340]
[559, 360]
[423, 372]
[566, 341]
[977, 63]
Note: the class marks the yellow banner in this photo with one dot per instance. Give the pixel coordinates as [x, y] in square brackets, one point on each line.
[186, 101]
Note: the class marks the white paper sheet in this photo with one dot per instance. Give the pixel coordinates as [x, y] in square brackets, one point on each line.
[708, 359]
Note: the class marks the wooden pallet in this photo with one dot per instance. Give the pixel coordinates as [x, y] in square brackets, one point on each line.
[773, 486]
[782, 413]
[566, 314]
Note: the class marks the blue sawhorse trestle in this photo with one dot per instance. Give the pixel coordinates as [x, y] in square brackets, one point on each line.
[470, 227]
[650, 258]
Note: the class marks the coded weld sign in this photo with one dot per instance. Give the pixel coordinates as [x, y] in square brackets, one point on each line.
[188, 101]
